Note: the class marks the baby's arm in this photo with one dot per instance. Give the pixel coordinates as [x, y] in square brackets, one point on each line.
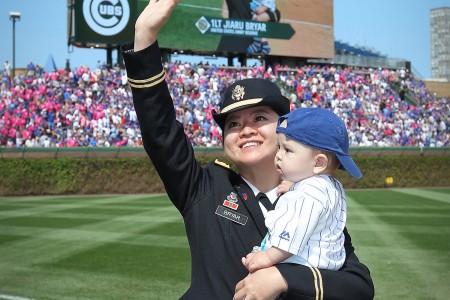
[264, 259]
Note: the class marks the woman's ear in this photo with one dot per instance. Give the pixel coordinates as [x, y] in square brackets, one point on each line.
[321, 163]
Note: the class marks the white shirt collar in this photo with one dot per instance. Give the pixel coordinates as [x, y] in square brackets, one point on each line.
[272, 194]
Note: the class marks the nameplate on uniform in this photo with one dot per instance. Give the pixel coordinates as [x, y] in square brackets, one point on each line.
[231, 215]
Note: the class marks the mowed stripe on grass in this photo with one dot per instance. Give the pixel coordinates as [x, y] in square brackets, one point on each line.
[403, 237]
[134, 246]
[129, 247]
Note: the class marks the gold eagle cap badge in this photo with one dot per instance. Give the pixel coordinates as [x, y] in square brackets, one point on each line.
[238, 93]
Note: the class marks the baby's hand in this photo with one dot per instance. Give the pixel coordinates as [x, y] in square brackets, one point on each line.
[256, 260]
[246, 261]
[284, 187]
[249, 262]
[261, 9]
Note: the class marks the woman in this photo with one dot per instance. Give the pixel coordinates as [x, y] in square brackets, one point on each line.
[222, 217]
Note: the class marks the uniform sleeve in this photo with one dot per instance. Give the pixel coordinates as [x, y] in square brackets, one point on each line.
[352, 281]
[163, 136]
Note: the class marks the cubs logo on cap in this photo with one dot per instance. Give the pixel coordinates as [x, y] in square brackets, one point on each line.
[248, 93]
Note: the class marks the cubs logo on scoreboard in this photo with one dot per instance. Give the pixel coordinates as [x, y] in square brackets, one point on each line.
[94, 22]
[106, 17]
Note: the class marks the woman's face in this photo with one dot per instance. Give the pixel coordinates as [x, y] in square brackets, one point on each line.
[250, 138]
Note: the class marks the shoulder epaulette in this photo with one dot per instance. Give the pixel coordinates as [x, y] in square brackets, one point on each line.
[222, 164]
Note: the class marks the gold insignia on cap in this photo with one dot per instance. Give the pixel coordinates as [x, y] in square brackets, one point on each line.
[238, 93]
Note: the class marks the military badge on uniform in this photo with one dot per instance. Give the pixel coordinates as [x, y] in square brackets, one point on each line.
[231, 201]
[238, 93]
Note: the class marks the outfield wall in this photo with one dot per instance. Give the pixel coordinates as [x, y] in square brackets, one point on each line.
[128, 171]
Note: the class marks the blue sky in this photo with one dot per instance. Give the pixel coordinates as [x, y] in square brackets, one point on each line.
[397, 28]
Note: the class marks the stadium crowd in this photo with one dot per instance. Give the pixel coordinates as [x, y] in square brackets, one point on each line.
[84, 107]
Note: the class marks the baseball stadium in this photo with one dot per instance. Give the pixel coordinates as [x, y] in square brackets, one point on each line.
[84, 212]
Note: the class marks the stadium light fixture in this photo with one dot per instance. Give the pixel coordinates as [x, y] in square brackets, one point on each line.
[14, 16]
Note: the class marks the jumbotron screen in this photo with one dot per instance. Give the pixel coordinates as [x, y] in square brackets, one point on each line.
[305, 28]
[298, 28]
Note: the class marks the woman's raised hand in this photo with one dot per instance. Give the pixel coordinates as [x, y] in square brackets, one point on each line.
[150, 22]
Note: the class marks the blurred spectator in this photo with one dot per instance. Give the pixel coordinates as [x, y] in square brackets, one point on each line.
[94, 108]
[7, 68]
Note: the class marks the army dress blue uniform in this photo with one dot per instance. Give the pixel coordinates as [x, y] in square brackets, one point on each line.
[222, 218]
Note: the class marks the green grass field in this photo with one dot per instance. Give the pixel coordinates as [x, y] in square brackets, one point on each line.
[180, 31]
[134, 247]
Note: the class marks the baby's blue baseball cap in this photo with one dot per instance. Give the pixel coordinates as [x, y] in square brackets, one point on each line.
[321, 129]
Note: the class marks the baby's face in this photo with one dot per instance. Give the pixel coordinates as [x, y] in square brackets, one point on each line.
[294, 161]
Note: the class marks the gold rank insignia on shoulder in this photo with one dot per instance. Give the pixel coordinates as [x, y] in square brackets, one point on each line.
[221, 163]
[238, 93]
[145, 83]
